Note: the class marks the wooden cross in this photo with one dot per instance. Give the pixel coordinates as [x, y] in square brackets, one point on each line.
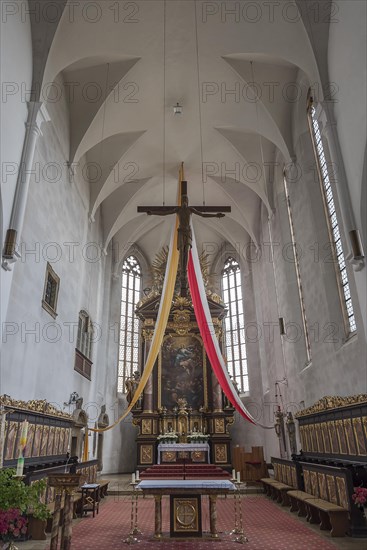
[184, 212]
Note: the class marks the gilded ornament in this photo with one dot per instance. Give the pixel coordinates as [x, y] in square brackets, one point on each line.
[181, 322]
[332, 402]
[35, 405]
[147, 334]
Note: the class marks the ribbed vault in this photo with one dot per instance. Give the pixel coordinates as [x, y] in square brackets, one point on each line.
[238, 83]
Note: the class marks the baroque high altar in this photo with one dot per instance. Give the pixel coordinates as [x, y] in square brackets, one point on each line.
[182, 400]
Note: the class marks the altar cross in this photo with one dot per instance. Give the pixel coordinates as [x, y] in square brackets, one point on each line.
[184, 212]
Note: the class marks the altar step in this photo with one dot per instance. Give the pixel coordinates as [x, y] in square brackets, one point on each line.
[191, 471]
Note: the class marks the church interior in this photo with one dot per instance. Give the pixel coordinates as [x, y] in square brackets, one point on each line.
[183, 274]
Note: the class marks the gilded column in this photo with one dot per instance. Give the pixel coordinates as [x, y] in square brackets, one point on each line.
[147, 334]
[217, 394]
[217, 390]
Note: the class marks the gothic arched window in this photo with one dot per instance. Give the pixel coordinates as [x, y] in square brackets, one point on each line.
[129, 323]
[234, 341]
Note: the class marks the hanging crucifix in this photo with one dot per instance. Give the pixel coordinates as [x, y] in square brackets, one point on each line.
[184, 212]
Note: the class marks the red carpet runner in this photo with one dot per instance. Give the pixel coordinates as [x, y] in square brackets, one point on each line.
[266, 525]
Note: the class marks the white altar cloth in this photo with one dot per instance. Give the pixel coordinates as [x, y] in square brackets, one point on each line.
[220, 484]
[183, 447]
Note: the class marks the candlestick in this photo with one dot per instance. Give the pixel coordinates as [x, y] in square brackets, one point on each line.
[132, 478]
[20, 466]
[238, 477]
[233, 474]
[137, 475]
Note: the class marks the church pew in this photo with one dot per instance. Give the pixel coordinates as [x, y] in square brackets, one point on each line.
[285, 479]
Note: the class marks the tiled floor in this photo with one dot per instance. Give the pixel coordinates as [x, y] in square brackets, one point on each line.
[280, 525]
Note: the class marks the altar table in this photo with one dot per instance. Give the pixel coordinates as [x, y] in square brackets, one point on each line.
[183, 493]
[183, 447]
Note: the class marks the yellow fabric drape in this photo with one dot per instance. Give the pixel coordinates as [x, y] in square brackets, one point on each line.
[86, 446]
[162, 319]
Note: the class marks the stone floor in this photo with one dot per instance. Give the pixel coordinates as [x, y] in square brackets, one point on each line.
[120, 486]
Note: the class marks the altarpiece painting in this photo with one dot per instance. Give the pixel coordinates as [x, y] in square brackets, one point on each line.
[182, 363]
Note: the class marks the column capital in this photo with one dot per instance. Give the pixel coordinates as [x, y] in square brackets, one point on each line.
[147, 334]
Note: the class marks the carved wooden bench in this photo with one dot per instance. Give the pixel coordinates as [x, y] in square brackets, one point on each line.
[325, 498]
[284, 480]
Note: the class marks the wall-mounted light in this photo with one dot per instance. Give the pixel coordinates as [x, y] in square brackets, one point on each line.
[72, 399]
[177, 109]
[356, 242]
[281, 326]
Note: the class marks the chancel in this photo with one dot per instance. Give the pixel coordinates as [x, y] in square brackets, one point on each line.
[183, 279]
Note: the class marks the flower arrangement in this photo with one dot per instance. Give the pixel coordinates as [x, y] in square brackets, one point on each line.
[168, 437]
[197, 437]
[360, 496]
[12, 524]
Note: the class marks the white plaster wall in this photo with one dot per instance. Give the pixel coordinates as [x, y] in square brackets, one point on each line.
[16, 78]
[347, 59]
[38, 359]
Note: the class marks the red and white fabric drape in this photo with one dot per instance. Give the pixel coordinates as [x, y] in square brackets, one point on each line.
[211, 344]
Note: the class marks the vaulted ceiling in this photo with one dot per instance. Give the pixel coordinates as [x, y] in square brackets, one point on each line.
[125, 72]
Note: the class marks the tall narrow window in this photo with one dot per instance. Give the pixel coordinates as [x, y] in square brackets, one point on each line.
[83, 351]
[50, 291]
[298, 271]
[84, 338]
[333, 225]
[235, 345]
[129, 323]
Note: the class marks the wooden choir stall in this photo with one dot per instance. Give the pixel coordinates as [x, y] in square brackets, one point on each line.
[320, 482]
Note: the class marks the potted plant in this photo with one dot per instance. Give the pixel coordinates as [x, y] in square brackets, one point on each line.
[37, 510]
[22, 510]
[13, 505]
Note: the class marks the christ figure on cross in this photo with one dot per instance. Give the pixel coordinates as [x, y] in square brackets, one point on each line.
[184, 240]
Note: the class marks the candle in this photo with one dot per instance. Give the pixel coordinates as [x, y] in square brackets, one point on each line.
[137, 478]
[238, 477]
[132, 478]
[233, 474]
[23, 434]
